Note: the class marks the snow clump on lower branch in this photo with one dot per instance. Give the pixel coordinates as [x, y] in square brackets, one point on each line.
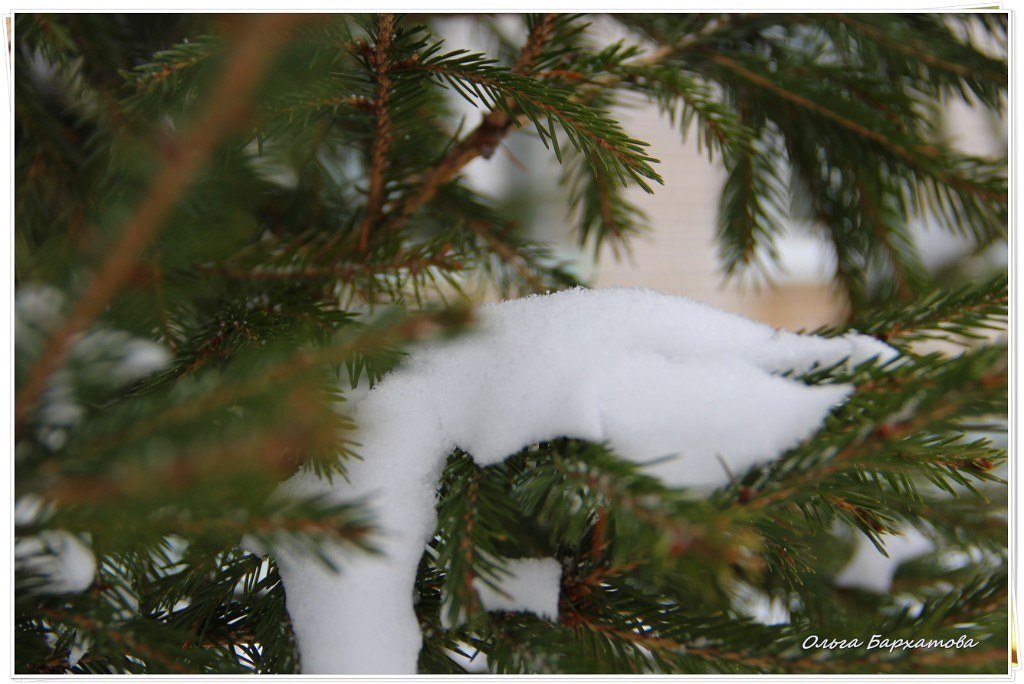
[58, 562]
[650, 374]
[528, 585]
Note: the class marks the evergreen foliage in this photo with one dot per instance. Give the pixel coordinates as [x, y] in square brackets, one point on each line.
[279, 202]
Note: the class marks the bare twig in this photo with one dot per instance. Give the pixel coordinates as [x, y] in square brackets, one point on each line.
[225, 110]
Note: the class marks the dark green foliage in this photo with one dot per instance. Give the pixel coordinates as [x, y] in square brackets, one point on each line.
[838, 99]
[329, 226]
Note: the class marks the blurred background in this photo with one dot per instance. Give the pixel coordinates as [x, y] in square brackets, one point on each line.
[679, 255]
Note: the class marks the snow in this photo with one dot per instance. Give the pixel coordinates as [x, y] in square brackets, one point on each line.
[37, 309]
[805, 258]
[62, 562]
[531, 586]
[650, 374]
[121, 358]
[870, 570]
[102, 358]
[29, 509]
[79, 646]
[469, 658]
[528, 585]
[759, 606]
[65, 564]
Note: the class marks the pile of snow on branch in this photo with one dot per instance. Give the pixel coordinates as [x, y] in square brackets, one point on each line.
[649, 374]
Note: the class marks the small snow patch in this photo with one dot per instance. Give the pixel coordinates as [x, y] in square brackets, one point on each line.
[531, 586]
[63, 563]
[870, 570]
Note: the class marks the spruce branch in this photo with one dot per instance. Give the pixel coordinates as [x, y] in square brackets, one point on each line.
[169, 64]
[386, 332]
[225, 111]
[100, 632]
[915, 49]
[938, 403]
[483, 140]
[589, 129]
[410, 260]
[906, 269]
[914, 154]
[822, 110]
[685, 98]
[750, 206]
[508, 253]
[604, 214]
[965, 315]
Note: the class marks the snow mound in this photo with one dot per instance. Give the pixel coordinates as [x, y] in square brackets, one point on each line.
[652, 375]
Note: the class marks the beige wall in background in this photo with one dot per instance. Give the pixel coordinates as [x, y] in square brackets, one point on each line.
[680, 256]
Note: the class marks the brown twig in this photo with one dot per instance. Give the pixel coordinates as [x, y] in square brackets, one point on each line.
[484, 139]
[466, 543]
[226, 109]
[380, 61]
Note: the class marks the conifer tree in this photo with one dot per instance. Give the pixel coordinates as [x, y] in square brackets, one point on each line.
[225, 226]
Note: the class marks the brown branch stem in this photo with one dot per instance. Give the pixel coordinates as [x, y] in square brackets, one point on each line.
[226, 109]
[484, 139]
[380, 61]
